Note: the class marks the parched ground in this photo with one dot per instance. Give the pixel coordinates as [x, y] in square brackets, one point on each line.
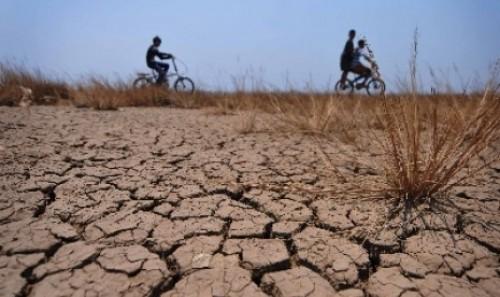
[167, 202]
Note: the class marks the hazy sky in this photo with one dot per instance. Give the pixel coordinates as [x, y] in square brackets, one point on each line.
[273, 41]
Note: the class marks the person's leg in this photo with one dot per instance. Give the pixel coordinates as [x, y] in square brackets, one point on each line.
[363, 72]
[157, 68]
[344, 66]
[161, 69]
[344, 76]
[357, 69]
[367, 73]
[164, 68]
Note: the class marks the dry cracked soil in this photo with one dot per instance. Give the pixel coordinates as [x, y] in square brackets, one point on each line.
[168, 202]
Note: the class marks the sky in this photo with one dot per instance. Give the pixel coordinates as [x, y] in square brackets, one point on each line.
[271, 43]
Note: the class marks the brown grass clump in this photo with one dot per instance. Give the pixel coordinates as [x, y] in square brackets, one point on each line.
[198, 99]
[228, 103]
[430, 147]
[101, 94]
[247, 123]
[43, 89]
[314, 115]
[344, 119]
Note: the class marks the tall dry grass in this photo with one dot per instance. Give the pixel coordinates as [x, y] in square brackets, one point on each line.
[430, 147]
[44, 90]
[327, 115]
[102, 94]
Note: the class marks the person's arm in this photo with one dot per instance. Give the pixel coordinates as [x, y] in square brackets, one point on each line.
[161, 55]
[165, 56]
[367, 57]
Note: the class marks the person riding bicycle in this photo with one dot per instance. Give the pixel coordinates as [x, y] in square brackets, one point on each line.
[347, 56]
[160, 67]
[358, 67]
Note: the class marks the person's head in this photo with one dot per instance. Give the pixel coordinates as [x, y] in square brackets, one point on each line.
[352, 34]
[157, 41]
[361, 43]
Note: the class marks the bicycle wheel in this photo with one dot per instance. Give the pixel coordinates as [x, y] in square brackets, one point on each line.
[141, 82]
[346, 88]
[184, 84]
[375, 87]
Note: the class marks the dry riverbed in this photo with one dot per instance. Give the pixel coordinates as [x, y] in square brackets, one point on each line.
[171, 202]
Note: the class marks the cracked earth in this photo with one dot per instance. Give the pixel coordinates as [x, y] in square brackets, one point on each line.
[168, 203]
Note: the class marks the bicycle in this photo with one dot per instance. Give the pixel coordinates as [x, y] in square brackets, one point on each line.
[375, 85]
[182, 83]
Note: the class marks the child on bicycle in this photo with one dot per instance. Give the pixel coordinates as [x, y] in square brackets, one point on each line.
[358, 67]
[160, 67]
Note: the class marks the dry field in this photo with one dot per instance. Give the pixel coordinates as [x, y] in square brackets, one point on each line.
[248, 194]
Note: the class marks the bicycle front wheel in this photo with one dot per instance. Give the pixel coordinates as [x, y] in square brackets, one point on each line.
[376, 87]
[346, 88]
[184, 84]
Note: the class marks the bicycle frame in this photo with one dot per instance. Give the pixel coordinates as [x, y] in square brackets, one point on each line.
[179, 81]
[153, 76]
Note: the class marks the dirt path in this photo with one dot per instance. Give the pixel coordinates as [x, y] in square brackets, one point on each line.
[167, 202]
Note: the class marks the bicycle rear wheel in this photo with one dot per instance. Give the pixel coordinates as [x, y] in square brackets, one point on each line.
[184, 84]
[346, 88]
[375, 87]
[141, 82]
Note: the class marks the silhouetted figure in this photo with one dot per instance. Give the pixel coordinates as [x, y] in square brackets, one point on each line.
[347, 56]
[160, 67]
[357, 67]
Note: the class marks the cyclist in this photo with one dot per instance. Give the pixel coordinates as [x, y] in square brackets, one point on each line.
[357, 67]
[347, 56]
[160, 67]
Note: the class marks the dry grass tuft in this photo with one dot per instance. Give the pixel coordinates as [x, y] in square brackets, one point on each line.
[431, 147]
[314, 115]
[101, 94]
[248, 122]
[344, 119]
[44, 90]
